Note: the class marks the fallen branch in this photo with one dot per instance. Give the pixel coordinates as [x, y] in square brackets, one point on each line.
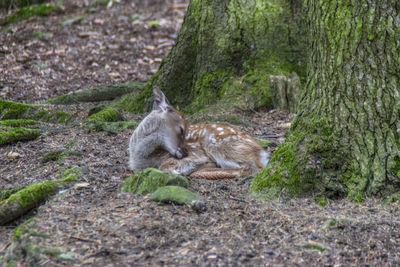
[30, 197]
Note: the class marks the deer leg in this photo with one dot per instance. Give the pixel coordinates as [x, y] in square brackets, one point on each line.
[186, 165]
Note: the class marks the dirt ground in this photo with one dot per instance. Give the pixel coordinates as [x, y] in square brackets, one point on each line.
[87, 45]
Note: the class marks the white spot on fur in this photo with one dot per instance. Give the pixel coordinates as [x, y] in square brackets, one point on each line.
[220, 128]
[232, 130]
[221, 133]
[212, 138]
[214, 126]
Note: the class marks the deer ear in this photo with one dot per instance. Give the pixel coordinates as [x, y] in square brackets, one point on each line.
[160, 101]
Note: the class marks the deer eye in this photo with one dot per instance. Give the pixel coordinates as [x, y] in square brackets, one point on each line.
[182, 130]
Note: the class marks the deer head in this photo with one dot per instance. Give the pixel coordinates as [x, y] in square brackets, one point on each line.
[173, 126]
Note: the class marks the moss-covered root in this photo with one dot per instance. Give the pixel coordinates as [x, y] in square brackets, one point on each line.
[18, 123]
[109, 120]
[102, 93]
[149, 180]
[26, 199]
[15, 111]
[107, 115]
[15, 135]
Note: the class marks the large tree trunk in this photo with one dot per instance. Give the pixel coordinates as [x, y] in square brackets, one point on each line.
[226, 51]
[345, 137]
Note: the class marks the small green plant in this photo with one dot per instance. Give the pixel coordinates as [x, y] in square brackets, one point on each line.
[135, 18]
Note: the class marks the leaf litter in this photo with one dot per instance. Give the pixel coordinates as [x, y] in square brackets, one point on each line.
[94, 224]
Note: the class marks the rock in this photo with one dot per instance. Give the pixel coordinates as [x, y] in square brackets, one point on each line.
[13, 155]
[174, 194]
[198, 205]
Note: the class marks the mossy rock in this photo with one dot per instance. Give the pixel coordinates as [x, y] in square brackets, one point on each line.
[174, 194]
[31, 11]
[15, 135]
[149, 180]
[102, 93]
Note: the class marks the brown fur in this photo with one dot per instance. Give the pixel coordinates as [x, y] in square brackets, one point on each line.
[159, 142]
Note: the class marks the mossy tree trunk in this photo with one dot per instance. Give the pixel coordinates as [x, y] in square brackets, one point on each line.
[227, 50]
[345, 139]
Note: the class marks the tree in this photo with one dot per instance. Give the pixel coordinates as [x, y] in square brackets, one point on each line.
[226, 52]
[344, 140]
[345, 137]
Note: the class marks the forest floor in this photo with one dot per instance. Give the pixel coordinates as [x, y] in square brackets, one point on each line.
[87, 45]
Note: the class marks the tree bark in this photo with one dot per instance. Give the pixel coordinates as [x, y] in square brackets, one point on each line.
[226, 52]
[345, 137]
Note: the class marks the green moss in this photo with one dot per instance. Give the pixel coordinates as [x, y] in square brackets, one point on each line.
[14, 110]
[15, 135]
[109, 120]
[4, 194]
[18, 122]
[312, 246]
[33, 194]
[19, 231]
[111, 127]
[174, 194]
[138, 102]
[97, 94]
[99, 2]
[266, 143]
[149, 180]
[11, 263]
[393, 198]
[27, 245]
[306, 163]
[73, 174]
[54, 156]
[106, 115]
[19, 3]
[207, 89]
[30, 11]
[322, 201]
[52, 251]
[59, 155]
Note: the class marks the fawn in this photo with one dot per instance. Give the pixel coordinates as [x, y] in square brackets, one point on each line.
[212, 151]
